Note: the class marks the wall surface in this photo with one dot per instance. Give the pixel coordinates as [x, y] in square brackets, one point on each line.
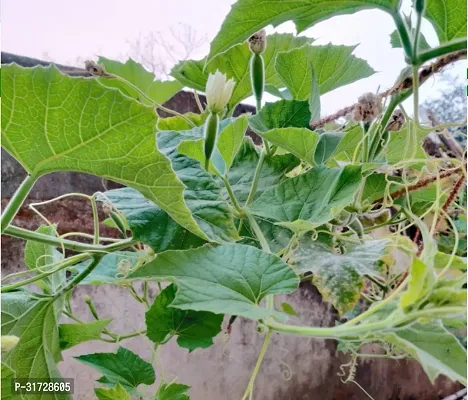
[294, 368]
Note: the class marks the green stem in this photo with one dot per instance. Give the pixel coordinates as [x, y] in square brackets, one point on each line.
[404, 35]
[17, 201]
[95, 259]
[346, 331]
[417, 34]
[256, 177]
[442, 50]
[258, 232]
[66, 263]
[231, 194]
[261, 356]
[68, 244]
[95, 220]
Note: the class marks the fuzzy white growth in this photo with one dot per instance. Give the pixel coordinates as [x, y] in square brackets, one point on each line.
[368, 107]
[218, 91]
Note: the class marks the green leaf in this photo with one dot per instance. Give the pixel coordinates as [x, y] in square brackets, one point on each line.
[375, 186]
[395, 41]
[158, 91]
[38, 255]
[295, 69]
[314, 196]
[227, 279]
[402, 144]
[107, 271]
[7, 374]
[421, 280]
[340, 277]
[277, 236]
[53, 122]
[438, 351]
[334, 66]
[172, 391]
[326, 146]
[289, 309]
[178, 123]
[301, 142]
[195, 329]
[33, 320]
[235, 64]
[273, 172]
[123, 367]
[442, 260]
[281, 114]
[149, 224]
[73, 334]
[117, 392]
[448, 18]
[249, 16]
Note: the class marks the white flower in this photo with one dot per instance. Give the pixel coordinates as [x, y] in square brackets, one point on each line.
[218, 91]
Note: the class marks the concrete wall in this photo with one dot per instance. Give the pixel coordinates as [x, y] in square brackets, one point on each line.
[294, 368]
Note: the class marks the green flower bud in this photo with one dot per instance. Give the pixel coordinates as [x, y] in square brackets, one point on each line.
[211, 133]
[8, 342]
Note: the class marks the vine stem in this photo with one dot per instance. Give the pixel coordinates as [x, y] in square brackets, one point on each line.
[346, 331]
[446, 48]
[256, 177]
[231, 194]
[17, 201]
[261, 356]
[68, 244]
[95, 259]
[66, 263]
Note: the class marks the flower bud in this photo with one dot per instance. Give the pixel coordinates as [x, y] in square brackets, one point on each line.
[211, 133]
[8, 342]
[95, 69]
[107, 207]
[218, 91]
[396, 121]
[368, 107]
[257, 42]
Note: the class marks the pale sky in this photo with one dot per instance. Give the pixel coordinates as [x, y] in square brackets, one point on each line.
[69, 30]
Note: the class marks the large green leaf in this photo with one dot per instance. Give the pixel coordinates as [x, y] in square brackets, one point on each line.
[404, 143]
[117, 392]
[448, 18]
[73, 334]
[133, 72]
[327, 145]
[38, 255]
[172, 391]
[33, 320]
[241, 174]
[235, 64]
[53, 122]
[227, 279]
[123, 367]
[249, 16]
[301, 142]
[334, 66]
[281, 114]
[339, 277]
[314, 196]
[7, 374]
[194, 329]
[437, 350]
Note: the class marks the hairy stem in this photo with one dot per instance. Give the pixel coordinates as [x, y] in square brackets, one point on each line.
[17, 201]
[256, 178]
[442, 50]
